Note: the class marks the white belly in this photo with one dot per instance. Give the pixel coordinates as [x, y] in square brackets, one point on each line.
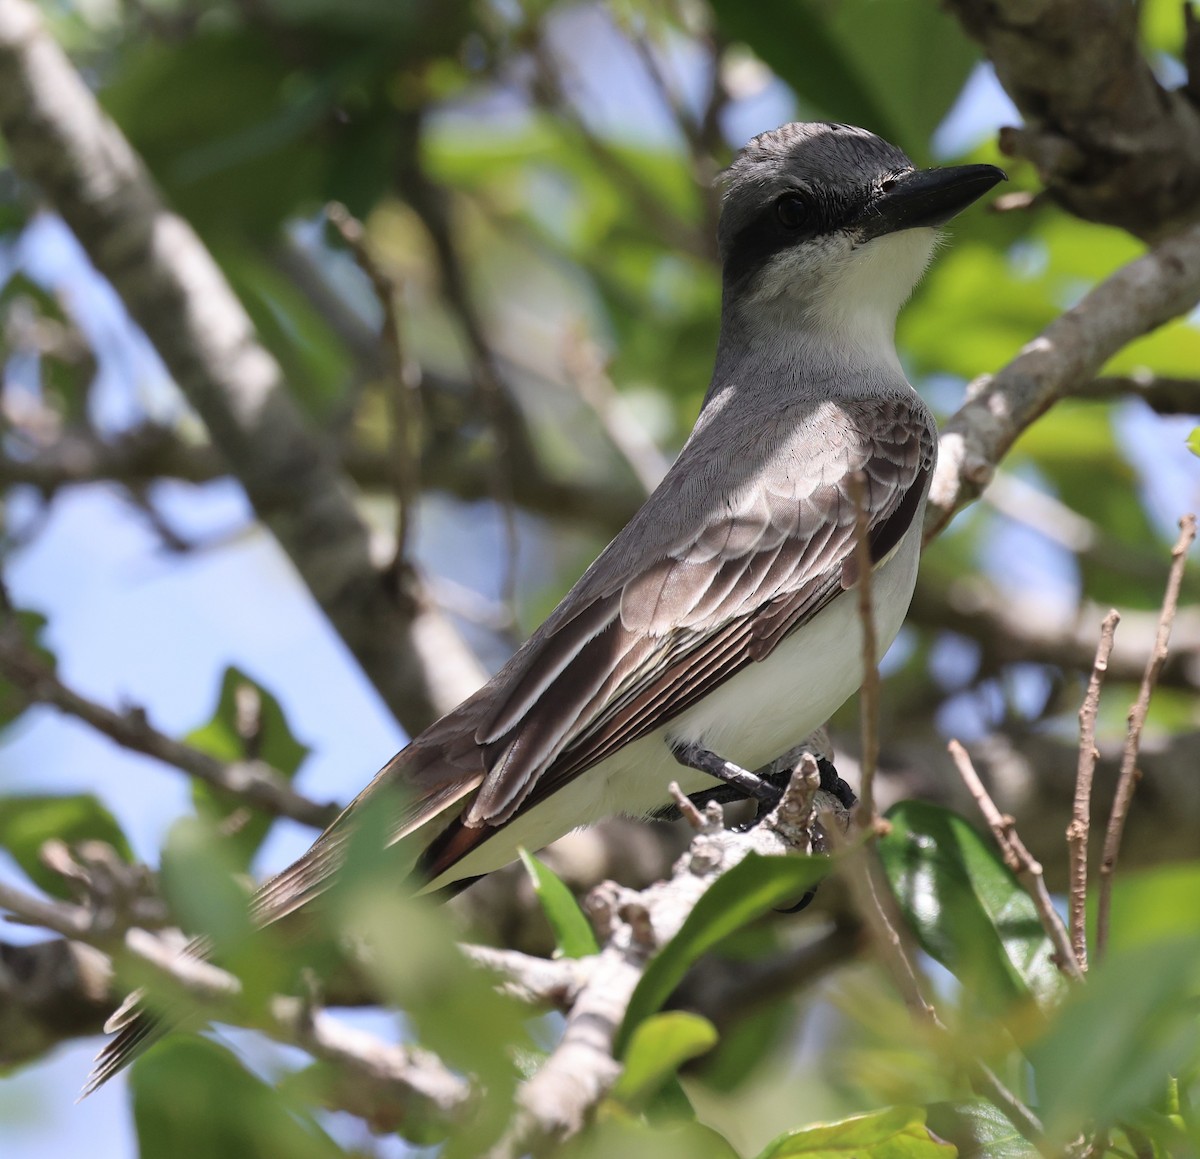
[750, 719]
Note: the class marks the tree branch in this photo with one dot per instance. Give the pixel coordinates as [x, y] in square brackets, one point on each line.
[50, 991]
[1138, 298]
[555, 1102]
[1164, 395]
[59, 138]
[1111, 144]
[1037, 632]
[254, 782]
[1018, 858]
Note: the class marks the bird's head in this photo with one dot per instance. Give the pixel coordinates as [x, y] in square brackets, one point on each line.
[831, 227]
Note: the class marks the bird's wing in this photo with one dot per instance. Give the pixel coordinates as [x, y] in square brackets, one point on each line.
[637, 656]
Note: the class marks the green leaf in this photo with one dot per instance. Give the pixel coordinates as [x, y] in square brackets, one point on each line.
[14, 700]
[754, 886]
[200, 880]
[1152, 905]
[615, 1134]
[314, 361]
[192, 1098]
[894, 1133]
[28, 822]
[414, 959]
[656, 1051]
[967, 909]
[248, 724]
[979, 1129]
[1111, 1048]
[892, 66]
[1193, 441]
[573, 933]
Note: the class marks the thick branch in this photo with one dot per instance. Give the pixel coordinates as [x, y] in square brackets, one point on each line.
[1138, 298]
[50, 991]
[1110, 143]
[60, 139]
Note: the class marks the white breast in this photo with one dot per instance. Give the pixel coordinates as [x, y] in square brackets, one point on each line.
[750, 719]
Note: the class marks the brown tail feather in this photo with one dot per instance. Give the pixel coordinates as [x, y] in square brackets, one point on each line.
[441, 781]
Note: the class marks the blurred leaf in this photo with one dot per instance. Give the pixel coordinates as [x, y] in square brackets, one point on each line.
[657, 1049]
[746, 1046]
[28, 822]
[201, 882]
[891, 66]
[967, 909]
[1162, 25]
[66, 366]
[204, 883]
[895, 1133]
[617, 1133]
[1151, 905]
[191, 1097]
[414, 959]
[435, 25]
[573, 935]
[1193, 441]
[248, 724]
[1112, 1046]
[239, 155]
[754, 886]
[31, 625]
[979, 1129]
[315, 364]
[913, 56]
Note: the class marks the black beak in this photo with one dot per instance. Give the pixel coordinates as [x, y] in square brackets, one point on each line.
[926, 197]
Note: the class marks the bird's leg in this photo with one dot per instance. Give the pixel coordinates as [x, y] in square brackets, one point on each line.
[694, 756]
[831, 783]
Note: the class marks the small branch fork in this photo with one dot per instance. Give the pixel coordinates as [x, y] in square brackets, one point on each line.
[556, 1101]
[1127, 780]
[1070, 944]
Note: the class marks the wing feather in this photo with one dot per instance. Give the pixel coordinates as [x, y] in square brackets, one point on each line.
[723, 597]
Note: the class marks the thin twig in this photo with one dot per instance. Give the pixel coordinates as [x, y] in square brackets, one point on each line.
[1079, 829]
[868, 697]
[429, 202]
[254, 782]
[1018, 858]
[404, 378]
[1127, 780]
[884, 932]
[882, 929]
[584, 367]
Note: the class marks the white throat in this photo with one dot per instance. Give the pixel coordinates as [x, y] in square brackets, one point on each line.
[834, 310]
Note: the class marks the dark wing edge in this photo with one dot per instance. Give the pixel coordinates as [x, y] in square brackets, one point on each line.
[624, 682]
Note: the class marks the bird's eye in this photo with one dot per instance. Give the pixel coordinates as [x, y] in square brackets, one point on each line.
[793, 211]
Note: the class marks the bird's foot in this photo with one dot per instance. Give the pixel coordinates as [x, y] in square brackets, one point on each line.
[746, 784]
[765, 786]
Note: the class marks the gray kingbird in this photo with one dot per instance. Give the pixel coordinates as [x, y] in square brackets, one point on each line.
[720, 625]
